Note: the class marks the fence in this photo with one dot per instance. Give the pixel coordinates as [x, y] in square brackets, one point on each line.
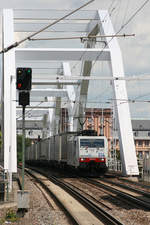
[146, 169]
[114, 165]
[3, 185]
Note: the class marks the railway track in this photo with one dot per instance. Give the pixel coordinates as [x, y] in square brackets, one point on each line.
[137, 196]
[138, 184]
[90, 196]
[130, 188]
[102, 216]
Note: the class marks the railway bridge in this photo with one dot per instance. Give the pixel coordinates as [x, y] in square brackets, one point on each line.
[62, 58]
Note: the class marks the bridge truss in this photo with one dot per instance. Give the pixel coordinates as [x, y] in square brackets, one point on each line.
[53, 85]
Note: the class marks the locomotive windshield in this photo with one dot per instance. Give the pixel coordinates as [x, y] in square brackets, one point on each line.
[92, 143]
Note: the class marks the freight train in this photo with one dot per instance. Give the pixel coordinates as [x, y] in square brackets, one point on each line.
[82, 151]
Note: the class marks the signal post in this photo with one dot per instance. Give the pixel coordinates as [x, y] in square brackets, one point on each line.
[23, 85]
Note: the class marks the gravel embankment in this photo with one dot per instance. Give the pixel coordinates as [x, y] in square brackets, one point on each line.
[129, 215]
[40, 213]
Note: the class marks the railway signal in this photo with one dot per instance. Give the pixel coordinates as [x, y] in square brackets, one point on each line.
[24, 79]
[23, 85]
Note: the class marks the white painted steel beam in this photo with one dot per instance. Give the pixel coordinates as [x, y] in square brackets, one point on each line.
[38, 64]
[9, 92]
[57, 114]
[46, 62]
[71, 94]
[62, 54]
[44, 71]
[59, 27]
[37, 107]
[53, 82]
[96, 78]
[51, 121]
[45, 123]
[126, 141]
[83, 89]
[48, 14]
[48, 92]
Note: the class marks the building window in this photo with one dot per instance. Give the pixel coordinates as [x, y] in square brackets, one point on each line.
[148, 133]
[146, 143]
[147, 153]
[89, 120]
[140, 154]
[136, 133]
[140, 143]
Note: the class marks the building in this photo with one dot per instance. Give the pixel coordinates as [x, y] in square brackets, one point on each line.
[141, 131]
[103, 122]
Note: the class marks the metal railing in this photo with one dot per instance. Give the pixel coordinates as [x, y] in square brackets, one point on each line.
[4, 192]
[114, 165]
[146, 169]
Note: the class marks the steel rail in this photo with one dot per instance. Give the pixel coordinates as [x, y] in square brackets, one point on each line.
[90, 196]
[105, 217]
[102, 215]
[146, 194]
[135, 183]
[129, 197]
[52, 195]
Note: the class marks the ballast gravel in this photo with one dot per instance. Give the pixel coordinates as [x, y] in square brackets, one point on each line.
[40, 212]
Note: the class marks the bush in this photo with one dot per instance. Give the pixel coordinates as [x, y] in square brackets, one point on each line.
[11, 216]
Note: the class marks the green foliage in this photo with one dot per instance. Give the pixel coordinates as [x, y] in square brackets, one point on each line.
[11, 216]
[19, 146]
[2, 220]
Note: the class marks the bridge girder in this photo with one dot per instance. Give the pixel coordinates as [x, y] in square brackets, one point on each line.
[25, 56]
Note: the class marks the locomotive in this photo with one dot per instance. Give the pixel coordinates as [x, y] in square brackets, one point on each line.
[79, 150]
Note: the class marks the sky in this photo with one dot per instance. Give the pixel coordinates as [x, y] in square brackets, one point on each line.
[135, 50]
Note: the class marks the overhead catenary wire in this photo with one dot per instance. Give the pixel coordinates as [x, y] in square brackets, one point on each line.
[126, 10]
[16, 44]
[107, 101]
[133, 15]
[28, 111]
[111, 6]
[81, 37]
[74, 66]
[124, 25]
[58, 78]
[121, 28]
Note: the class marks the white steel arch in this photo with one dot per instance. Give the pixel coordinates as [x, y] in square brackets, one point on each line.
[42, 57]
[126, 141]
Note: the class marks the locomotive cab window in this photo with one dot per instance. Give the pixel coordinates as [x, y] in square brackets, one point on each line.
[92, 143]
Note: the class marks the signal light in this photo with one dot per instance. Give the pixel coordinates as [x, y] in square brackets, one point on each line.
[23, 79]
[19, 85]
[24, 98]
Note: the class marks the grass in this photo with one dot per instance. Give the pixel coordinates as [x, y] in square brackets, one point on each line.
[11, 216]
[2, 220]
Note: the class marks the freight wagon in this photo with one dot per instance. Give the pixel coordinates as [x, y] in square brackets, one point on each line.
[71, 150]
